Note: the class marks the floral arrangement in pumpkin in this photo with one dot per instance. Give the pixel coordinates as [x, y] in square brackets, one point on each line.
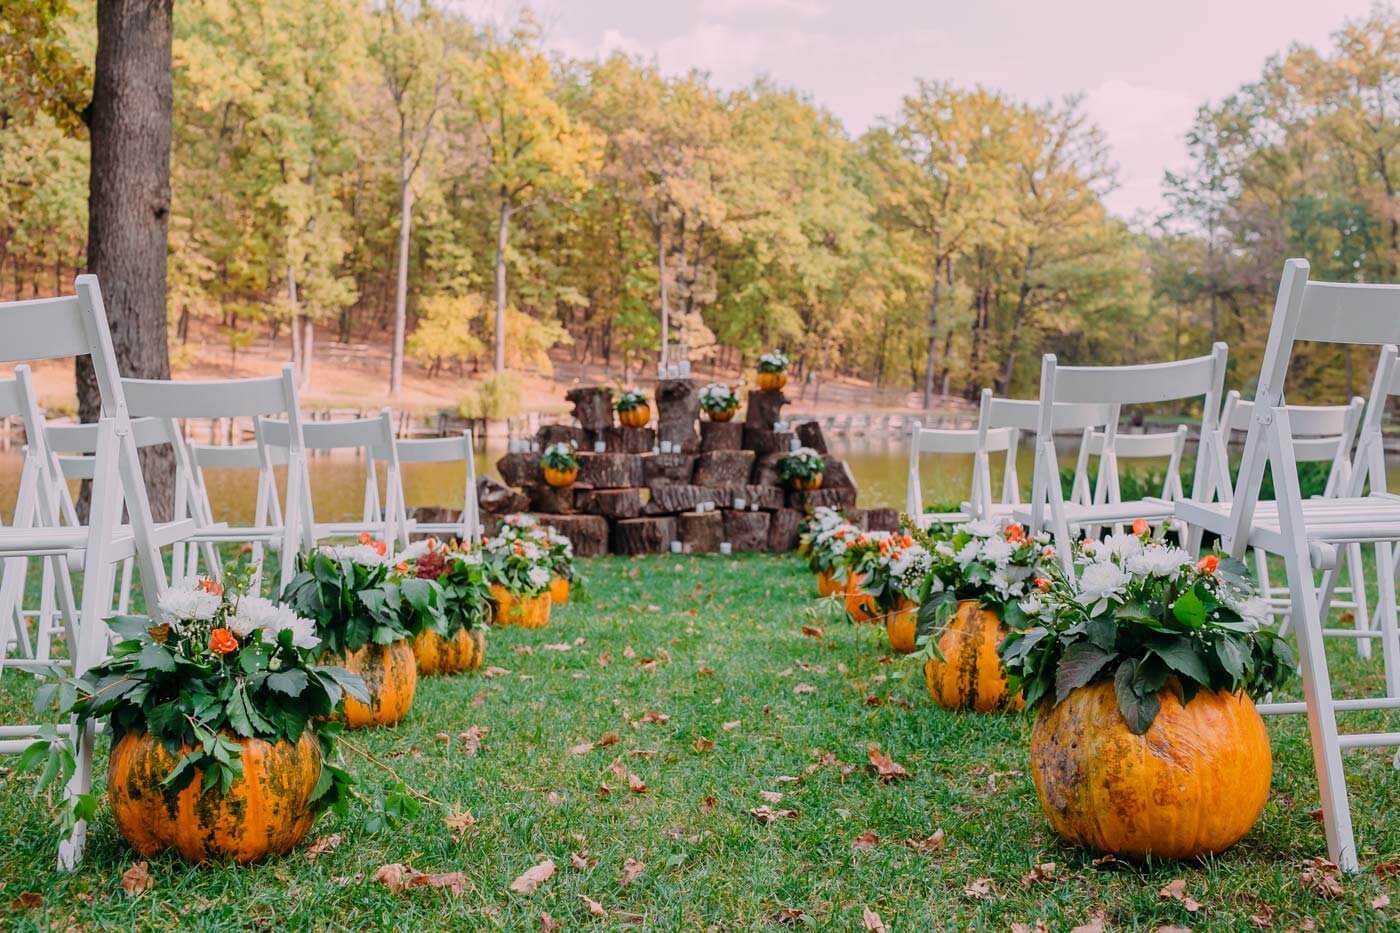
[214, 664]
[895, 570]
[518, 557]
[862, 553]
[995, 563]
[561, 554]
[802, 468]
[718, 398]
[631, 398]
[823, 538]
[1145, 615]
[460, 578]
[560, 456]
[774, 361]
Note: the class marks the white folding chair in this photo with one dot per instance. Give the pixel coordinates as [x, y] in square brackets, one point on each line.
[457, 447]
[267, 506]
[1307, 532]
[1161, 445]
[1115, 386]
[58, 328]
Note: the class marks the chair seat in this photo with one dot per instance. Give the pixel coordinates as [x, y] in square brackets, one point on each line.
[38, 542]
[927, 519]
[1107, 513]
[223, 532]
[1326, 522]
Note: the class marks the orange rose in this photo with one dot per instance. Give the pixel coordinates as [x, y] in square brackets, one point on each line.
[432, 543]
[1015, 533]
[1042, 584]
[401, 566]
[211, 586]
[366, 537]
[380, 548]
[1139, 526]
[1208, 564]
[221, 641]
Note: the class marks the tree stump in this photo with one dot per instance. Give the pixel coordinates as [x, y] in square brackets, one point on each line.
[610, 471]
[723, 468]
[700, 532]
[563, 434]
[677, 411]
[765, 470]
[783, 530]
[763, 442]
[746, 531]
[546, 498]
[809, 434]
[837, 475]
[680, 497]
[613, 503]
[765, 497]
[643, 535]
[721, 435]
[592, 407]
[765, 407]
[517, 469]
[664, 469]
[831, 498]
[882, 519]
[496, 499]
[587, 533]
[623, 440]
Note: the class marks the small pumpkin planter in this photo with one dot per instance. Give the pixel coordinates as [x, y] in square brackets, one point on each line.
[718, 401]
[523, 610]
[559, 464]
[1193, 784]
[827, 584]
[463, 651]
[970, 675]
[560, 479]
[390, 673]
[771, 382]
[772, 370]
[809, 484]
[860, 603]
[902, 626]
[822, 540]
[266, 810]
[520, 564]
[632, 409]
[559, 590]
[802, 469]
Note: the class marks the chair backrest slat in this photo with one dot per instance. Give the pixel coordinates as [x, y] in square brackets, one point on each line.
[214, 398]
[434, 449]
[1343, 312]
[1136, 385]
[44, 329]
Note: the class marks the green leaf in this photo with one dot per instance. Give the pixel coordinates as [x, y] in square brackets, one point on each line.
[155, 656]
[1233, 657]
[291, 683]
[1138, 711]
[1080, 664]
[1181, 655]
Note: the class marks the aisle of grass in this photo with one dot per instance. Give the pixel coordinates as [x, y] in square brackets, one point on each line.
[715, 645]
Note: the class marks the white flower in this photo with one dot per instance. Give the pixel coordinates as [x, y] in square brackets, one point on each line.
[538, 576]
[1100, 581]
[943, 549]
[364, 554]
[1252, 609]
[1158, 560]
[997, 550]
[521, 520]
[252, 614]
[187, 602]
[969, 552]
[1032, 605]
[303, 630]
[414, 551]
[1121, 545]
[982, 528]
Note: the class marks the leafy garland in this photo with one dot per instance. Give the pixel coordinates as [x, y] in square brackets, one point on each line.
[1146, 615]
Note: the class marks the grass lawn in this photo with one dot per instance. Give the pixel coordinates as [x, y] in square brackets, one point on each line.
[715, 644]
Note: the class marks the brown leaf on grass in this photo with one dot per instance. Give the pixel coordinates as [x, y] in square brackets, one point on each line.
[766, 814]
[885, 767]
[787, 916]
[557, 646]
[582, 748]
[1264, 919]
[524, 649]
[771, 796]
[1095, 924]
[530, 880]
[137, 879]
[443, 737]
[594, 908]
[27, 900]
[603, 790]
[704, 670]
[866, 840]
[460, 823]
[870, 921]
[928, 844]
[398, 877]
[479, 699]
[471, 739]
[1044, 873]
[1038, 927]
[647, 664]
[730, 726]
[322, 845]
[1322, 878]
[1381, 902]
[608, 738]
[803, 689]
[494, 672]
[548, 924]
[1386, 869]
[787, 779]
[1167, 928]
[708, 804]
[630, 870]
[811, 631]
[580, 860]
[652, 715]
[627, 652]
[641, 753]
[635, 784]
[1175, 890]
[874, 700]
[1104, 861]
[980, 889]
[604, 658]
[702, 744]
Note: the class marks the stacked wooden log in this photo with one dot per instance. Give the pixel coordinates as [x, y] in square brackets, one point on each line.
[687, 484]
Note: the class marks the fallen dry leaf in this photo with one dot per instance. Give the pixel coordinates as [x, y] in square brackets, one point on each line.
[647, 664]
[460, 823]
[627, 652]
[874, 700]
[1095, 924]
[811, 631]
[604, 790]
[731, 725]
[641, 753]
[1044, 873]
[557, 646]
[471, 739]
[767, 814]
[1104, 861]
[704, 671]
[929, 844]
[1322, 878]
[884, 766]
[322, 845]
[630, 870]
[871, 921]
[582, 748]
[702, 744]
[1038, 927]
[1381, 902]
[803, 689]
[866, 840]
[397, 877]
[635, 784]
[1175, 890]
[494, 672]
[594, 908]
[604, 659]
[529, 881]
[580, 860]
[652, 715]
[443, 737]
[788, 916]
[524, 649]
[137, 879]
[980, 889]
[708, 804]
[787, 779]
[608, 738]
[27, 900]
[548, 924]
[1386, 869]
[771, 796]
[479, 699]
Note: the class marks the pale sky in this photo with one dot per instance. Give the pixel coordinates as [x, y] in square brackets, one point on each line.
[1143, 68]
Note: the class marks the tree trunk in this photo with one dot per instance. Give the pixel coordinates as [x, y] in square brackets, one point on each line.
[665, 305]
[401, 288]
[502, 238]
[934, 298]
[129, 205]
[1023, 295]
[295, 329]
[308, 343]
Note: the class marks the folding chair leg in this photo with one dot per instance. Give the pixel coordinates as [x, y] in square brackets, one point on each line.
[1356, 572]
[1385, 612]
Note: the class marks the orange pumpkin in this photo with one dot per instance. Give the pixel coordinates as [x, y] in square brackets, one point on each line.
[827, 585]
[725, 415]
[772, 381]
[1193, 784]
[266, 811]
[901, 625]
[860, 605]
[390, 673]
[971, 677]
[806, 485]
[438, 655]
[560, 478]
[635, 417]
[559, 591]
[528, 612]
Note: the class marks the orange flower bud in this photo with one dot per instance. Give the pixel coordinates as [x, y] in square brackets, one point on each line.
[432, 543]
[401, 566]
[211, 586]
[1042, 584]
[1014, 532]
[1208, 564]
[221, 641]
[380, 548]
[366, 537]
[1139, 526]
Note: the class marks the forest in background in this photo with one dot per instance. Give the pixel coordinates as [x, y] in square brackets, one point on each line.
[396, 174]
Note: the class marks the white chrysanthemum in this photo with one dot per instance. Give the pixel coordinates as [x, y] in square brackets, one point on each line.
[365, 554]
[982, 528]
[538, 576]
[1101, 580]
[969, 552]
[414, 551]
[283, 619]
[521, 520]
[1001, 582]
[943, 549]
[1158, 560]
[997, 550]
[187, 602]
[1252, 609]
[1121, 545]
[253, 613]
[1032, 605]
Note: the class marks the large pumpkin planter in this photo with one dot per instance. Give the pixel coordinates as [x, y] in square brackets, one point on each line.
[266, 810]
[971, 676]
[771, 381]
[635, 417]
[559, 591]
[464, 651]
[902, 626]
[1194, 784]
[560, 479]
[860, 605]
[827, 585]
[525, 611]
[725, 415]
[390, 673]
[807, 485]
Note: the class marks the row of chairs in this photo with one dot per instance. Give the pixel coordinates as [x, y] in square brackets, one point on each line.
[1313, 536]
[120, 545]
